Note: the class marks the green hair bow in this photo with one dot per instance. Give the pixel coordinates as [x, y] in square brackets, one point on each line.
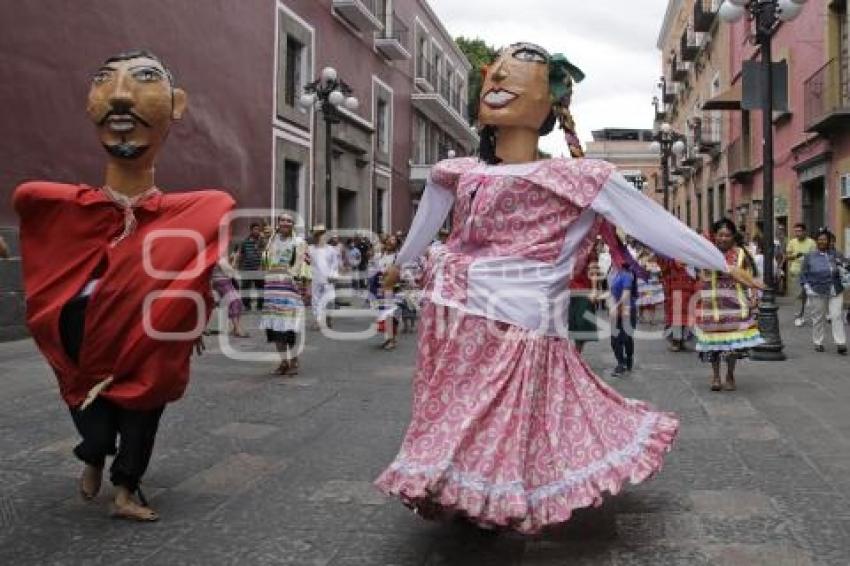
[560, 73]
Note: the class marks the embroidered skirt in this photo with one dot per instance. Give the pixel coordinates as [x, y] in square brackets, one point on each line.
[514, 430]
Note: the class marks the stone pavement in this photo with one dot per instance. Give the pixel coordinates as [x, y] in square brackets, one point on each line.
[255, 469]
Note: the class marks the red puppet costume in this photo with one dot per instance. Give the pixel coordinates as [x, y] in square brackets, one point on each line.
[117, 278]
[67, 235]
[679, 289]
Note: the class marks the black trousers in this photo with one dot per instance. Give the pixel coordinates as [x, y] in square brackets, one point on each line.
[258, 285]
[623, 341]
[103, 423]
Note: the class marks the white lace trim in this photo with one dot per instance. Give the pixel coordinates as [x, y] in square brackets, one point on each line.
[574, 477]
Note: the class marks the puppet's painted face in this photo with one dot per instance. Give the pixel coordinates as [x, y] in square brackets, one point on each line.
[133, 103]
[516, 89]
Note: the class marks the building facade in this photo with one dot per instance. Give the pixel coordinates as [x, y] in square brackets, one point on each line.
[694, 53]
[811, 125]
[629, 149]
[244, 65]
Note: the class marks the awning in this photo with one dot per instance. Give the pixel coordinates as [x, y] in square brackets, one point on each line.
[728, 100]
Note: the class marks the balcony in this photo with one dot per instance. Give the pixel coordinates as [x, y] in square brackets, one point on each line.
[689, 48]
[670, 94]
[679, 71]
[393, 41]
[425, 79]
[740, 160]
[439, 107]
[707, 133]
[362, 14]
[705, 14]
[827, 99]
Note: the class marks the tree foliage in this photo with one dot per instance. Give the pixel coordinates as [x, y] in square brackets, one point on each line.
[480, 54]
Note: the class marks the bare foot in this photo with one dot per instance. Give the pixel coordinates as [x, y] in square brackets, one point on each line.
[124, 507]
[90, 482]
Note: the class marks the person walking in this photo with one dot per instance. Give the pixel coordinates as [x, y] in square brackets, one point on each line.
[623, 311]
[249, 262]
[324, 263]
[821, 281]
[283, 309]
[680, 285]
[726, 326]
[228, 297]
[797, 248]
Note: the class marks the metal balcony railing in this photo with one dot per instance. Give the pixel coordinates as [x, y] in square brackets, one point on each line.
[689, 47]
[445, 88]
[424, 70]
[395, 29]
[827, 97]
[705, 12]
[740, 158]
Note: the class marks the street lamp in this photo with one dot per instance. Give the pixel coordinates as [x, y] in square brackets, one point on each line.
[329, 93]
[667, 142]
[766, 16]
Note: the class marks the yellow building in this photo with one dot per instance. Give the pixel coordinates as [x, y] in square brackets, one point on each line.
[695, 65]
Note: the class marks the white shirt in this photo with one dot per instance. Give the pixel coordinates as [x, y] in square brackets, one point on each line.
[325, 262]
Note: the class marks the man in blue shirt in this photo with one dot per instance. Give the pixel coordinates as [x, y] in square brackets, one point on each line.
[623, 312]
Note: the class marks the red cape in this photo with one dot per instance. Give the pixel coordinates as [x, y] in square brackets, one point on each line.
[66, 231]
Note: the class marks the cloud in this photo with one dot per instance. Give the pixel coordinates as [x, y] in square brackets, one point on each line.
[613, 41]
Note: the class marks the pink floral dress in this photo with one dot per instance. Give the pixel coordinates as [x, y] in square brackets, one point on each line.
[510, 427]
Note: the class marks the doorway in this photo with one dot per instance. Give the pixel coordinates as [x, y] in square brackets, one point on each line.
[346, 212]
[814, 204]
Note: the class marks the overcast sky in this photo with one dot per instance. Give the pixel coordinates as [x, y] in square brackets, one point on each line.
[613, 41]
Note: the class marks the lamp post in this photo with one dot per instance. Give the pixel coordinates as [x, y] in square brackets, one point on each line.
[328, 93]
[667, 142]
[766, 16]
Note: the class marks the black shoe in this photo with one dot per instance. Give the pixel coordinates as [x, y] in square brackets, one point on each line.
[618, 371]
[842, 350]
[820, 348]
[630, 366]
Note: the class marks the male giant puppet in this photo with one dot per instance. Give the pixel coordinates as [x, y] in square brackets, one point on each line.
[117, 278]
[510, 427]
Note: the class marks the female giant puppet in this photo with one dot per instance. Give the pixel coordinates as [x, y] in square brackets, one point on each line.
[510, 427]
[117, 277]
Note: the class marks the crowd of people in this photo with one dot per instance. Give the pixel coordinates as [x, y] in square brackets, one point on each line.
[704, 310]
[284, 277]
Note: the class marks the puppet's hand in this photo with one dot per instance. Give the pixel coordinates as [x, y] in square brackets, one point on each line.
[746, 279]
[200, 346]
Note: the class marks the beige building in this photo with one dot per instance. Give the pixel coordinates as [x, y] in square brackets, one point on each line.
[694, 53]
[629, 150]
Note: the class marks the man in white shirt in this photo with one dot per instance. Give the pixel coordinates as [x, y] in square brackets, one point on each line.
[325, 263]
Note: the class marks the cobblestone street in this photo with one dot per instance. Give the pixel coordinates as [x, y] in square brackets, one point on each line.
[255, 469]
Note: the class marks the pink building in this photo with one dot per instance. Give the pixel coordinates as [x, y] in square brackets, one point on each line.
[811, 142]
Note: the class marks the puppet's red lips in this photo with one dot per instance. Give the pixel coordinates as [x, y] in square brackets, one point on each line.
[498, 98]
[121, 123]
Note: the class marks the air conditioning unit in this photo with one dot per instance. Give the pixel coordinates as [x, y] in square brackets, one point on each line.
[844, 186]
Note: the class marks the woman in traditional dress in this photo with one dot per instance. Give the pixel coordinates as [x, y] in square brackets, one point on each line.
[228, 297]
[726, 324]
[651, 289]
[389, 313]
[680, 286]
[510, 427]
[283, 309]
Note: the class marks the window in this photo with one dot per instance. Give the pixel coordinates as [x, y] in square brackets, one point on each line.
[721, 197]
[710, 204]
[422, 57]
[294, 70]
[699, 213]
[380, 220]
[382, 129]
[291, 184]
